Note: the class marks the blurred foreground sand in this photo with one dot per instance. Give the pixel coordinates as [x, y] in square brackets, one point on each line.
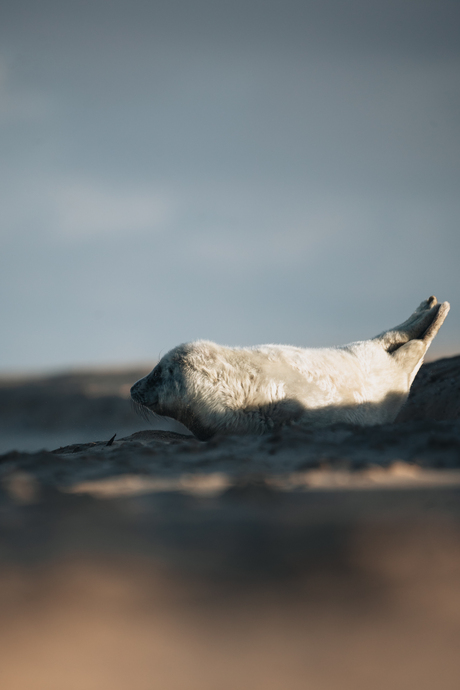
[257, 589]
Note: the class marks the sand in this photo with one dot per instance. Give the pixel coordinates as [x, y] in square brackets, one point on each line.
[300, 559]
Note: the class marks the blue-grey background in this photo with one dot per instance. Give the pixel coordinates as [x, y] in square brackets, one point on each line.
[245, 171]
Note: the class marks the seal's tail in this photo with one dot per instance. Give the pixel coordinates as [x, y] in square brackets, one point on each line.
[409, 341]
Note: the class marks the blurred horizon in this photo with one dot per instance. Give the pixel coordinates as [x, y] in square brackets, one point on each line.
[244, 173]
[26, 375]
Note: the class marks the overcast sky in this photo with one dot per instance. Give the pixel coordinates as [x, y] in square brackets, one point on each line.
[246, 171]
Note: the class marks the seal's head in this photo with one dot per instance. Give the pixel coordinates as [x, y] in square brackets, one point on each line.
[180, 387]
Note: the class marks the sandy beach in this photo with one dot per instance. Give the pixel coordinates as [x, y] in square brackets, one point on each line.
[325, 559]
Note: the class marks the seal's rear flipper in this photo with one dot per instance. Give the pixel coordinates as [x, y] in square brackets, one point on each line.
[410, 356]
[436, 324]
[409, 342]
[422, 325]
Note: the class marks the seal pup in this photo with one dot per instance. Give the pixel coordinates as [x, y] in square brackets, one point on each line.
[230, 390]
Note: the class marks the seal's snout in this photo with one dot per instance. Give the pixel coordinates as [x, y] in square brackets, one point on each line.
[136, 394]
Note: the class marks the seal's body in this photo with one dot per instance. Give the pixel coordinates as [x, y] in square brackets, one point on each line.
[214, 389]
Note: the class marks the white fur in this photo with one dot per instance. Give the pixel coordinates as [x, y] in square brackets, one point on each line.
[211, 388]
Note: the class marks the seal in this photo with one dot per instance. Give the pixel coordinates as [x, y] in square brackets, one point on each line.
[231, 390]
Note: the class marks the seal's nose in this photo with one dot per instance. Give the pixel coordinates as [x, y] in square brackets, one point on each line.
[135, 393]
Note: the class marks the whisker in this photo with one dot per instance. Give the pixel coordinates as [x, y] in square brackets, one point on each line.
[147, 414]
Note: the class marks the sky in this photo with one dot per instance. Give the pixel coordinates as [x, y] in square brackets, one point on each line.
[245, 172]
